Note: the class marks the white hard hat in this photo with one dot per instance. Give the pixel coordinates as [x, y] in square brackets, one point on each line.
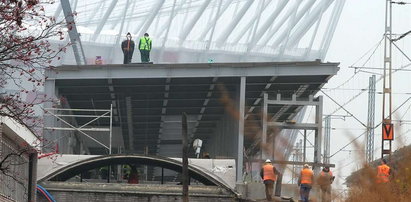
[268, 161]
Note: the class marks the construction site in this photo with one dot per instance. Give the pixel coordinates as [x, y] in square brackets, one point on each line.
[205, 100]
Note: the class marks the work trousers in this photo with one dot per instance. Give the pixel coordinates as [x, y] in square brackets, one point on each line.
[127, 57]
[305, 192]
[325, 193]
[145, 55]
[269, 186]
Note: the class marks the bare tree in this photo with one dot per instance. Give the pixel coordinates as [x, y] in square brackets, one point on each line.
[25, 55]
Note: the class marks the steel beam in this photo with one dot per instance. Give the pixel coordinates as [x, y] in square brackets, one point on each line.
[308, 21]
[332, 25]
[211, 25]
[229, 29]
[73, 34]
[268, 22]
[252, 21]
[206, 70]
[174, 12]
[153, 14]
[299, 16]
[104, 19]
[299, 126]
[189, 27]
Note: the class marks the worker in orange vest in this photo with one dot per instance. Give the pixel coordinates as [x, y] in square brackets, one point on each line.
[324, 180]
[383, 172]
[269, 175]
[305, 181]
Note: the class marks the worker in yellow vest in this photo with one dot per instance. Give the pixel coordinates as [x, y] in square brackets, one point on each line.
[383, 172]
[145, 47]
[269, 175]
[305, 181]
[324, 180]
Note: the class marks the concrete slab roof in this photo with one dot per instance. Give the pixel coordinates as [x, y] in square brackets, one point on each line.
[153, 96]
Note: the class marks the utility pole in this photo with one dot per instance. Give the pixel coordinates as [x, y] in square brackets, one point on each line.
[387, 126]
[369, 150]
[327, 134]
[185, 176]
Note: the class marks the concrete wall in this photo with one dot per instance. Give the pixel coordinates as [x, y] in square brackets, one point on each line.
[64, 191]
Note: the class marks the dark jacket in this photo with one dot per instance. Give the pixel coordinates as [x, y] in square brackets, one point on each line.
[124, 45]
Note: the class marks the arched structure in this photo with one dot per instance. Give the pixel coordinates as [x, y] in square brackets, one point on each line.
[74, 168]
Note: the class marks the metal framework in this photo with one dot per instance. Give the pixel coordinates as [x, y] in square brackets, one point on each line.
[387, 82]
[370, 123]
[81, 129]
[259, 29]
[316, 127]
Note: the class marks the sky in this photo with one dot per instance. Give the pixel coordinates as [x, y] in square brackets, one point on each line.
[360, 28]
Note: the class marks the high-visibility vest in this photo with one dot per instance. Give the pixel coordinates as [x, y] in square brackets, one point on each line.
[307, 176]
[269, 172]
[326, 173]
[383, 174]
[145, 43]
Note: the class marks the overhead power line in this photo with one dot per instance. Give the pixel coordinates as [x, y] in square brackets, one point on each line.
[402, 36]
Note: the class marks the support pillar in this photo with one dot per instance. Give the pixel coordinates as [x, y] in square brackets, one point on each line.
[240, 142]
[318, 133]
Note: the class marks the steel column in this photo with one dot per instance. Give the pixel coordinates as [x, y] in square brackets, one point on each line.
[240, 142]
[264, 111]
[318, 133]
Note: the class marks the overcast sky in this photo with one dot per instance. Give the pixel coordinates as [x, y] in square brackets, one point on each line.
[360, 28]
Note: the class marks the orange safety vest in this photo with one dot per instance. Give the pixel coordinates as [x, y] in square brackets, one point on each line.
[307, 176]
[269, 172]
[383, 174]
[324, 173]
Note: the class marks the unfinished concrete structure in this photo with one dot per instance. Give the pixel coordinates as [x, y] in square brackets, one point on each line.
[223, 101]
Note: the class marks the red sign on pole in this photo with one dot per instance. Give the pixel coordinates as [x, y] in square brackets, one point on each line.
[388, 131]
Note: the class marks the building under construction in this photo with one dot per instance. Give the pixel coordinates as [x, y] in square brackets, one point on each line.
[243, 79]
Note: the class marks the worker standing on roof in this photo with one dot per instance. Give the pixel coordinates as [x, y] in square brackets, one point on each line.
[269, 175]
[383, 172]
[305, 181]
[145, 48]
[324, 180]
[128, 48]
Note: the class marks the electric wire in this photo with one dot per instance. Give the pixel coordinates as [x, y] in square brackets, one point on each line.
[352, 141]
[342, 107]
[374, 49]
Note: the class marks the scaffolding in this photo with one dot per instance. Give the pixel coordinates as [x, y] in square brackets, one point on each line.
[105, 114]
